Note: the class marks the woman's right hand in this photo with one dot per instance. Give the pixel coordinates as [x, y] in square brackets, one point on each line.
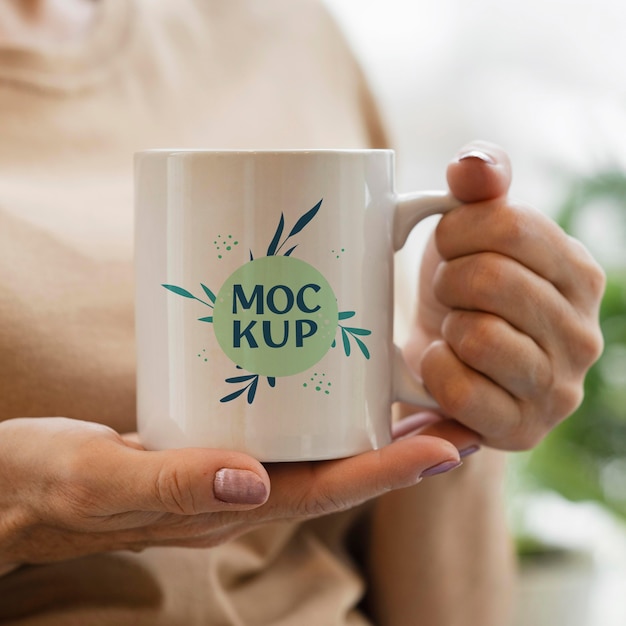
[69, 488]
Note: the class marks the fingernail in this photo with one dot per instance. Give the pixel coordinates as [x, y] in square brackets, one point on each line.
[477, 154]
[440, 468]
[469, 450]
[237, 486]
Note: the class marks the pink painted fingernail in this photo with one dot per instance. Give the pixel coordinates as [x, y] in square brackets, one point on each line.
[477, 154]
[440, 468]
[237, 486]
[469, 450]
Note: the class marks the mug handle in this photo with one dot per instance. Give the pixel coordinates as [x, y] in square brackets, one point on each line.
[409, 210]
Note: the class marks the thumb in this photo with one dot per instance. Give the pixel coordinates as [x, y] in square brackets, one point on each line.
[186, 481]
[480, 171]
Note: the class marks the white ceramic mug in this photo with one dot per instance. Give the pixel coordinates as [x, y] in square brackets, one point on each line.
[264, 303]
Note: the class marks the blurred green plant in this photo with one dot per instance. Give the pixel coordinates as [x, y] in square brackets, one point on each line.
[584, 458]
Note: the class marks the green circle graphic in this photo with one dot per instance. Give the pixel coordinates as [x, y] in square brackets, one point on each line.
[275, 316]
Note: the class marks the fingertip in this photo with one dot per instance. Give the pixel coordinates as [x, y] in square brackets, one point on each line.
[480, 171]
[490, 153]
[241, 479]
[240, 486]
[419, 453]
[445, 449]
[441, 468]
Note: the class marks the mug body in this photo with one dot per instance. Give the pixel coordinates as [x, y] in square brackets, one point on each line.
[264, 301]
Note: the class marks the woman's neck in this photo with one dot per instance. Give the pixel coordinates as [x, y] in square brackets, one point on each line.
[45, 23]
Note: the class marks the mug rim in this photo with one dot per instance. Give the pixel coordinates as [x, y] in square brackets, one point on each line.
[263, 152]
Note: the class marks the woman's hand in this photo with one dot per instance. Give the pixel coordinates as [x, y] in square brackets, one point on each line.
[507, 323]
[70, 488]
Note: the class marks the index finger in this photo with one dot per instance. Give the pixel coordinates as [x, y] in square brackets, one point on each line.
[304, 490]
[526, 235]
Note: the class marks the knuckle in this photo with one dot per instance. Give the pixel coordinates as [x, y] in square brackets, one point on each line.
[470, 282]
[513, 225]
[590, 346]
[534, 424]
[566, 399]
[456, 397]
[454, 394]
[174, 490]
[535, 420]
[583, 341]
[73, 490]
[596, 279]
[473, 340]
[486, 278]
[590, 275]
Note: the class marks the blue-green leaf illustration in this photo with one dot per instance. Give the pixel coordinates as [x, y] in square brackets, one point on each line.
[363, 347]
[305, 219]
[206, 319]
[271, 251]
[344, 315]
[346, 342]
[241, 379]
[208, 292]
[252, 389]
[357, 331]
[334, 343]
[275, 245]
[180, 291]
[233, 396]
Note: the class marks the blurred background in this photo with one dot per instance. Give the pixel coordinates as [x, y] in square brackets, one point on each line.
[546, 79]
